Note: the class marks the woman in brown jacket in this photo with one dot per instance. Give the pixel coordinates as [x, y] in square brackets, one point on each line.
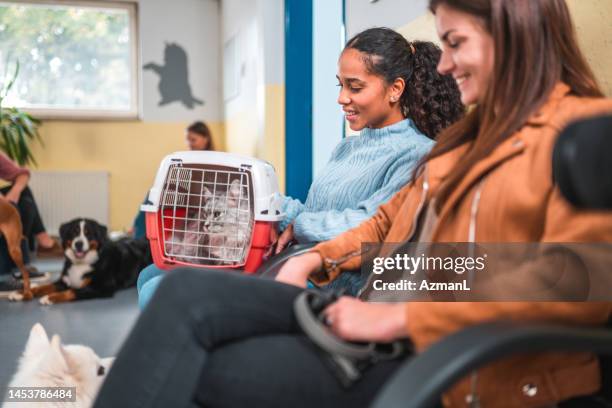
[488, 179]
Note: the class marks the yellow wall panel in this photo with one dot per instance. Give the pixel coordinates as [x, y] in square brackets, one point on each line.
[593, 20]
[129, 151]
[421, 28]
[242, 132]
[274, 131]
[246, 133]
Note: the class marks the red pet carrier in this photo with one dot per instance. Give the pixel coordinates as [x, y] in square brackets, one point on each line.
[213, 210]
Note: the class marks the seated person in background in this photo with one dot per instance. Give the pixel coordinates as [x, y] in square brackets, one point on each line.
[199, 137]
[223, 339]
[391, 92]
[21, 196]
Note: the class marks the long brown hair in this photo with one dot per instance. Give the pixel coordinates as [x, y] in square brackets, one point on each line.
[535, 48]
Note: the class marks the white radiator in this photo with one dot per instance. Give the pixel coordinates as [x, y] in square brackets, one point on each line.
[64, 195]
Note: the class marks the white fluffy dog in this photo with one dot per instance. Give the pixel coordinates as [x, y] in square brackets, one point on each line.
[47, 363]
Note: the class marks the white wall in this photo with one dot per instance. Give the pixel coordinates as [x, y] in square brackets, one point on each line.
[327, 44]
[195, 26]
[271, 22]
[362, 14]
[239, 22]
[258, 30]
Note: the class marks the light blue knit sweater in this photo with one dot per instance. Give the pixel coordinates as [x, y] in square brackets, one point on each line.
[364, 172]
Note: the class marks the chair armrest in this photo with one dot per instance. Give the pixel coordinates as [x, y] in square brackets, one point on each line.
[420, 382]
[270, 268]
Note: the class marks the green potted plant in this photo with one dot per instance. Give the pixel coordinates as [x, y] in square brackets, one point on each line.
[17, 128]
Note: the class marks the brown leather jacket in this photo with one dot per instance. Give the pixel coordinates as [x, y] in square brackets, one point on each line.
[507, 197]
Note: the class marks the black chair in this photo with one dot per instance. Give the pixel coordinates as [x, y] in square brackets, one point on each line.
[581, 168]
[421, 381]
[269, 269]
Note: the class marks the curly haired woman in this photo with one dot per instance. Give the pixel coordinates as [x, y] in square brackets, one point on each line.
[391, 92]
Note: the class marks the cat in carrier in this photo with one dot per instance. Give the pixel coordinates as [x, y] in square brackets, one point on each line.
[220, 229]
[212, 210]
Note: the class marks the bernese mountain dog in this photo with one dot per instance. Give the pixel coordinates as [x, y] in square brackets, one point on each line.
[94, 265]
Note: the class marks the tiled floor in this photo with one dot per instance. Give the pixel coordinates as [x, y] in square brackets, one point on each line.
[101, 324]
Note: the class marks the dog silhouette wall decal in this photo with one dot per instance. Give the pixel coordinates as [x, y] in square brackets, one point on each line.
[174, 77]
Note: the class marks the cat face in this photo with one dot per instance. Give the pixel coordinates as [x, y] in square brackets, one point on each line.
[227, 221]
[219, 232]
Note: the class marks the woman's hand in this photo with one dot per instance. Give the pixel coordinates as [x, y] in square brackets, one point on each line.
[285, 238]
[354, 320]
[19, 184]
[273, 241]
[297, 269]
[12, 196]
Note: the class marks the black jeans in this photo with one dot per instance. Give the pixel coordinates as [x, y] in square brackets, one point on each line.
[220, 339]
[31, 225]
[30, 217]
[28, 210]
[6, 263]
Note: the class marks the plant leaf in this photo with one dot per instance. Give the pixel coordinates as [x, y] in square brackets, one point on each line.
[18, 128]
[10, 143]
[8, 87]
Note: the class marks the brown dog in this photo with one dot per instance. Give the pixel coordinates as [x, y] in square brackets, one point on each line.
[10, 228]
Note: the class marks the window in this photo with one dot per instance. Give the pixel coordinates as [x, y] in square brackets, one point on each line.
[77, 59]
